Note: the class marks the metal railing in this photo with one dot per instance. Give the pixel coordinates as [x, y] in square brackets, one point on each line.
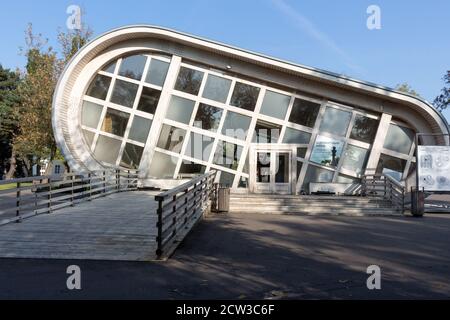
[385, 187]
[44, 194]
[179, 209]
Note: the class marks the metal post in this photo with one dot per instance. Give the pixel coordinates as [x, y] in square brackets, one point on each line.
[49, 197]
[104, 181]
[159, 225]
[90, 186]
[72, 190]
[18, 202]
[118, 179]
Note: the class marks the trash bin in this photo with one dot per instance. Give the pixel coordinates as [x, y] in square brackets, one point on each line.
[223, 201]
[417, 203]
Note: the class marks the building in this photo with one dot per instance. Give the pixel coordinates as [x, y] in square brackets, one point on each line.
[174, 106]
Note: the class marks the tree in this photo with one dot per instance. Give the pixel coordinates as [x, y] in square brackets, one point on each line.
[442, 101]
[406, 88]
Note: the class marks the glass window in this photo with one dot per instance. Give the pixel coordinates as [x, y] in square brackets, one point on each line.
[189, 80]
[107, 149]
[236, 125]
[275, 105]
[316, 174]
[347, 179]
[243, 182]
[111, 67]
[208, 117]
[227, 155]
[133, 67]
[391, 166]
[301, 152]
[140, 129]
[132, 155]
[355, 159]
[296, 136]
[335, 121]
[89, 136]
[99, 87]
[217, 88]
[115, 122]
[180, 109]
[199, 146]
[149, 100]
[244, 96]
[90, 114]
[327, 151]
[364, 129]
[304, 112]
[399, 139]
[299, 168]
[171, 138]
[124, 93]
[162, 166]
[266, 132]
[282, 166]
[226, 179]
[189, 168]
[157, 72]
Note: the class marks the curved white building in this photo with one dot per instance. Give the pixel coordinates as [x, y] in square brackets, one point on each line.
[174, 105]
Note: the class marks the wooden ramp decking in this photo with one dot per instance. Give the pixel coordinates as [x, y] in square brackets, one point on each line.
[121, 226]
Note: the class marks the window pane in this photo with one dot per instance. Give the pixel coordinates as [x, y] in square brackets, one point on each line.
[335, 121]
[115, 122]
[391, 166]
[208, 117]
[364, 129]
[266, 132]
[89, 136]
[296, 136]
[110, 67]
[301, 152]
[236, 125]
[189, 168]
[180, 109]
[217, 88]
[304, 112]
[140, 129]
[157, 72]
[226, 179]
[282, 168]
[149, 100]
[199, 146]
[227, 155]
[399, 139]
[327, 151]
[189, 80]
[162, 166]
[315, 174]
[90, 115]
[171, 138]
[299, 168]
[133, 67]
[275, 105]
[107, 149]
[124, 93]
[132, 155]
[244, 96]
[355, 159]
[99, 87]
[243, 182]
[347, 179]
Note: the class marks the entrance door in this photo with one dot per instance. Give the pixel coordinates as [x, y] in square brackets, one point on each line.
[272, 171]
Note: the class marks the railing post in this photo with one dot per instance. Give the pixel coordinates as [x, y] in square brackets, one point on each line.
[71, 189]
[159, 225]
[118, 179]
[18, 202]
[128, 180]
[49, 197]
[90, 186]
[104, 181]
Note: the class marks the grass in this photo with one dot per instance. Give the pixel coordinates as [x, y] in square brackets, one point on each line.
[13, 185]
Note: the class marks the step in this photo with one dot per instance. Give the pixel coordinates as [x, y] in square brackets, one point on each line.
[308, 209]
[381, 213]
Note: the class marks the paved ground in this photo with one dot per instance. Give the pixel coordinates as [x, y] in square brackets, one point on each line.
[121, 226]
[263, 256]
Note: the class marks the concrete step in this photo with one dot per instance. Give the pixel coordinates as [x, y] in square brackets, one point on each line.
[327, 213]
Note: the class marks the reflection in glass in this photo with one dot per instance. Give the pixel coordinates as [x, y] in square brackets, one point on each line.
[180, 109]
[355, 159]
[124, 93]
[149, 100]
[162, 166]
[243, 182]
[275, 105]
[299, 169]
[99, 87]
[364, 129]
[391, 166]
[208, 117]
[115, 122]
[226, 179]
[301, 152]
[263, 167]
[90, 114]
[335, 121]
[189, 80]
[244, 96]
[111, 67]
[133, 67]
[266, 132]
[217, 88]
[236, 125]
[316, 174]
[199, 146]
[157, 72]
[140, 129]
[327, 151]
[304, 112]
[107, 149]
[89, 136]
[282, 168]
[171, 138]
[227, 155]
[189, 168]
[296, 136]
[347, 179]
[132, 155]
[399, 139]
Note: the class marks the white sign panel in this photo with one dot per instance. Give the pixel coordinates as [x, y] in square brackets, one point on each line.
[434, 168]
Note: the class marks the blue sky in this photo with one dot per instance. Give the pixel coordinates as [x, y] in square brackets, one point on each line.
[412, 46]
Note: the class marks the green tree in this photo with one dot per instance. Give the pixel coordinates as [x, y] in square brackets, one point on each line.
[442, 101]
[406, 88]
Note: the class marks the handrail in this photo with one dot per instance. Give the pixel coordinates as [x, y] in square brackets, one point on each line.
[382, 185]
[45, 194]
[179, 209]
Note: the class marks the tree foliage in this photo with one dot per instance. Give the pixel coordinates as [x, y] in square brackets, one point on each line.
[442, 101]
[406, 88]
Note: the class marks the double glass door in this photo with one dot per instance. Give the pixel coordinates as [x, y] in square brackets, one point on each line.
[272, 172]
